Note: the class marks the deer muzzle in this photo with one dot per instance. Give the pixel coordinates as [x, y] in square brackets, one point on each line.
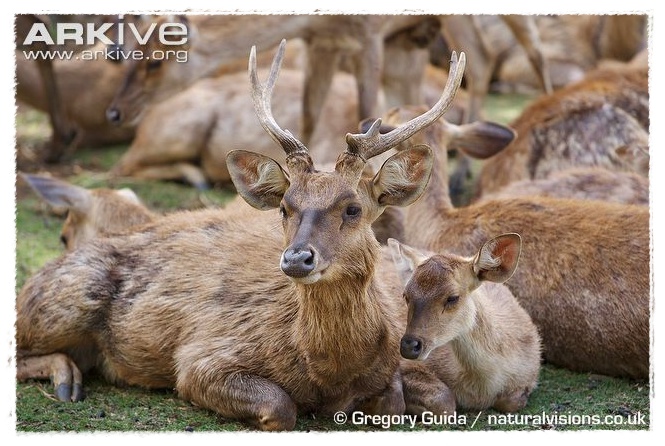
[298, 262]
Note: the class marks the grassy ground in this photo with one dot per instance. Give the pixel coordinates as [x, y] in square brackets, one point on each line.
[563, 401]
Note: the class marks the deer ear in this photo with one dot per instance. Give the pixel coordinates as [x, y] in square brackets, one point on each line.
[60, 194]
[403, 177]
[260, 180]
[129, 194]
[405, 258]
[480, 139]
[497, 259]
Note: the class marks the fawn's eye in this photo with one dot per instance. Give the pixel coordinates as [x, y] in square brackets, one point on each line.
[451, 300]
[282, 211]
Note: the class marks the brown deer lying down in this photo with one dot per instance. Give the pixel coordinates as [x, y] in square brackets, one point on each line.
[592, 183]
[585, 280]
[83, 85]
[90, 212]
[238, 318]
[188, 136]
[601, 121]
[467, 326]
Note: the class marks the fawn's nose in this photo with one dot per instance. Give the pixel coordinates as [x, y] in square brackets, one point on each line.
[298, 262]
[410, 347]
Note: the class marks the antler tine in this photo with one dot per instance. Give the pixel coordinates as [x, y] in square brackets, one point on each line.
[261, 96]
[372, 143]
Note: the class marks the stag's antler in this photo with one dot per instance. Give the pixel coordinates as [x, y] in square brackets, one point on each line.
[372, 143]
[261, 96]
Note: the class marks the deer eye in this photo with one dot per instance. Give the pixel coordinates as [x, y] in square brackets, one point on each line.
[452, 300]
[352, 211]
[282, 211]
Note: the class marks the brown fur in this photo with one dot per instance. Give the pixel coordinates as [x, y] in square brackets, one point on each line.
[602, 121]
[592, 183]
[471, 332]
[586, 266]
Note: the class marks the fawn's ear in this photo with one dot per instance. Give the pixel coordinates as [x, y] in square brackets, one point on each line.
[129, 194]
[497, 259]
[260, 180]
[406, 259]
[403, 177]
[60, 194]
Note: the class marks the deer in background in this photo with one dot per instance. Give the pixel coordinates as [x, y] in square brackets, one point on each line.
[79, 88]
[571, 44]
[467, 326]
[586, 286]
[189, 135]
[90, 213]
[64, 132]
[85, 87]
[214, 40]
[591, 183]
[307, 325]
[602, 121]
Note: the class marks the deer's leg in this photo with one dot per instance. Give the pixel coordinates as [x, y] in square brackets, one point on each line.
[368, 66]
[526, 32]
[322, 61]
[64, 133]
[249, 398]
[512, 402]
[424, 391]
[177, 171]
[60, 368]
[389, 402]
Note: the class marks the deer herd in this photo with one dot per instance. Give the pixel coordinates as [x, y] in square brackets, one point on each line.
[346, 280]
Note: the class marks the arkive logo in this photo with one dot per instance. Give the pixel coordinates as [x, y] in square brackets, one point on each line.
[91, 33]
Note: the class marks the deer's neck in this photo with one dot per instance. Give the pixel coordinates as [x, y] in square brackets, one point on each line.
[434, 204]
[474, 348]
[341, 328]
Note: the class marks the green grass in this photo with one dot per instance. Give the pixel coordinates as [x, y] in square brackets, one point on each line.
[560, 393]
[109, 408]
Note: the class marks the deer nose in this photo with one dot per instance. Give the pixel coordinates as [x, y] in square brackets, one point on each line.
[410, 347]
[298, 262]
[113, 115]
